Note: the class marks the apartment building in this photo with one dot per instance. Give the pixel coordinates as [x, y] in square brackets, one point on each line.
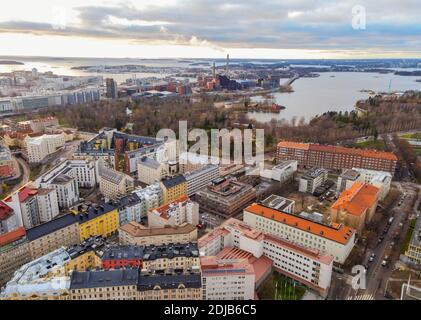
[150, 197]
[334, 239]
[152, 258]
[200, 178]
[38, 148]
[30, 206]
[150, 170]
[129, 209]
[308, 266]
[225, 197]
[96, 220]
[227, 279]
[48, 205]
[8, 219]
[170, 286]
[47, 237]
[335, 157]
[173, 188]
[14, 253]
[63, 179]
[113, 184]
[175, 213]
[312, 179]
[356, 206]
[40, 279]
[104, 285]
[133, 233]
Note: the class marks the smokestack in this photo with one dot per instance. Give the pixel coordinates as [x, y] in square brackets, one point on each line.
[228, 63]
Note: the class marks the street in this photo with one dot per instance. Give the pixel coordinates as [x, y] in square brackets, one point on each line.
[392, 236]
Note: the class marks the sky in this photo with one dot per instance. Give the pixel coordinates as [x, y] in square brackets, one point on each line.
[274, 29]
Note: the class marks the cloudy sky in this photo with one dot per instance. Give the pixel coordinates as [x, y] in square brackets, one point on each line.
[211, 28]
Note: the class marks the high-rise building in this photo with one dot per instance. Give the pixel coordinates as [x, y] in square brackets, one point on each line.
[112, 92]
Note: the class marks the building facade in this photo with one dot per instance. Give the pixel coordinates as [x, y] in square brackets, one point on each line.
[334, 157]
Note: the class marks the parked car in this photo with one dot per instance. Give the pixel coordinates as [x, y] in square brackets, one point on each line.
[372, 256]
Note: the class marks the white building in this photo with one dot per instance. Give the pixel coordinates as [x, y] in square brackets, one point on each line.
[280, 203]
[200, 178]
[379, 179]
[333, 239]
[40, 147]
[283, 171]
[150, 170]
[312, 179]
[176, 213]
[41, 277]
[227, 279]
[308, 266]
[63, 180]
[47, 204]
[86, 172]
[150, 198]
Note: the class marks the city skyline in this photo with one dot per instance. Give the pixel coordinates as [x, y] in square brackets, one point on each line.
[211, 29]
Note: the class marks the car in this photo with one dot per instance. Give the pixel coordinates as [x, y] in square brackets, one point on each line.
[380, 239]
[391, 219]
[400, 224]
[372, 256]
[384, 263]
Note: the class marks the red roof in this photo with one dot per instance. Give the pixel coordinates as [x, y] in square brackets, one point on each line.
[6, 171]
[5, 211]
[12, 236]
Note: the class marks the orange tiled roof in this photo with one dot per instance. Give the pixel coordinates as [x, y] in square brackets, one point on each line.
[338, 233]
[357, 199]
[354, 151]
[12, 236]
[294, 145]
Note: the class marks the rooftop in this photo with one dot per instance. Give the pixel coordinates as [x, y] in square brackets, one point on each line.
[165, 211]
[277, 202]
[170, 182]
[137, 230]
[104, 278]
[313, 173]
[148, 253]
[84, 213]
[5, 211]
[51, 226]
[338, 233]
[169, 281]
[12, 236]
[357, 199]
[350, 175]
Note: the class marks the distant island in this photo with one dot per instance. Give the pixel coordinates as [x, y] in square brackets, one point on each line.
[10, 62]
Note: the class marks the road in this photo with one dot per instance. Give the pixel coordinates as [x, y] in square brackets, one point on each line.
[25, 174]
[378, 275]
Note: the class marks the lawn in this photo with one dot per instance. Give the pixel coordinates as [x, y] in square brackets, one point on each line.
[412, 136]
[371, 144]
[280, 287]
